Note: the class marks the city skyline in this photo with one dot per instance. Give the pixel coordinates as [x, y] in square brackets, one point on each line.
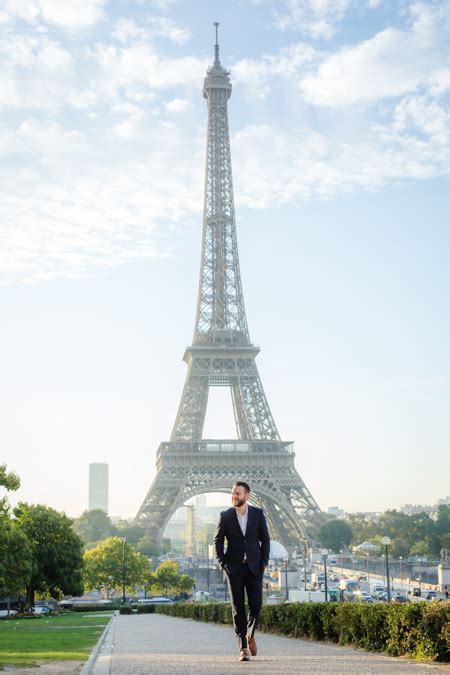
[340, 123]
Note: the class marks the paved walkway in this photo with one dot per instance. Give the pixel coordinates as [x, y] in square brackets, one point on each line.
[159, 644]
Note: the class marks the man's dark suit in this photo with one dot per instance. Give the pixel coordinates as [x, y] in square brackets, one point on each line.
[242, 576]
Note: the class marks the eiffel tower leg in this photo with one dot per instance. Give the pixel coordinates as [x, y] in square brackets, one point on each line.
[165, 496]
[251, 410]
[191, 413]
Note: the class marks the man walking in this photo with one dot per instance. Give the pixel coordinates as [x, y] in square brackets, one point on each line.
[244, 560]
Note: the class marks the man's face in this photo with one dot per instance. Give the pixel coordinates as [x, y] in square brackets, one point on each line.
[238, 495]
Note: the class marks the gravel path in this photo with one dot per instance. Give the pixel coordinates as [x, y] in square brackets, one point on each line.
[159, 644]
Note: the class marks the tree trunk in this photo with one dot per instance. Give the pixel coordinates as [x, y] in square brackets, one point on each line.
[30, 596]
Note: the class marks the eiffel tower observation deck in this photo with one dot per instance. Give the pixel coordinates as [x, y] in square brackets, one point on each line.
[222, 355]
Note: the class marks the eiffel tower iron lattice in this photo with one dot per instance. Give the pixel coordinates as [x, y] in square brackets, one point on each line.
[223, 355]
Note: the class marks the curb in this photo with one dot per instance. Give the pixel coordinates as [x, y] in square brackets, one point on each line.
[105, 644]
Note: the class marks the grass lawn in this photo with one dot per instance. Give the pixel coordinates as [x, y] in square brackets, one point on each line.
[69, 637]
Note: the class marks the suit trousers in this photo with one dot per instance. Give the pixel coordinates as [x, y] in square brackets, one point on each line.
[240, 583]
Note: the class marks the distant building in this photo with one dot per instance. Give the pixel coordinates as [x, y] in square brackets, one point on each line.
[411, 509]
[98, 487]
[444, 502]
[335, 511]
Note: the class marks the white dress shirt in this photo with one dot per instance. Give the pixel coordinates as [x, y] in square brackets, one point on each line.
[242, 520]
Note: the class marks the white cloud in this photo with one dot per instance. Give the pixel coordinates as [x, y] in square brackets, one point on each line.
[127, 30]
[68, 14]
[176, 105]
[390, 64]
[256, 75]
[276, 167]
[318, 18]
[93, 201]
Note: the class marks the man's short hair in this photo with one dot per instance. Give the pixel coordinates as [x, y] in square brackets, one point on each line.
[240, 483]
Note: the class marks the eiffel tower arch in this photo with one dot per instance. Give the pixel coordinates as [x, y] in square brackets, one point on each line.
[222, 355]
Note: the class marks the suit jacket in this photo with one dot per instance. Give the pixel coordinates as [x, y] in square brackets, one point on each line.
[255, 545]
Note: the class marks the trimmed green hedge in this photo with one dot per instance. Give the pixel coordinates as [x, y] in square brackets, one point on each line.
[146, 609]
[419, 630]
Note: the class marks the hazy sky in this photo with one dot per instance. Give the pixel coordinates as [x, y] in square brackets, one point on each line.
[340, 122]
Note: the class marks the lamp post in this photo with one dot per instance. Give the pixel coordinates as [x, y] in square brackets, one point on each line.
[400, 560]
[286, 578]
[305, 553]
[124, 541]
[386, 541]
[324, 552]
[367, 565]
[342, 568]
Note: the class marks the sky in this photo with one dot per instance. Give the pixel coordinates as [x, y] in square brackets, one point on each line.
[340, 123]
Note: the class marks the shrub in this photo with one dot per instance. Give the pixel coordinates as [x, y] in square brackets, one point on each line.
[145, 609]
[419, 630]
[125, 609]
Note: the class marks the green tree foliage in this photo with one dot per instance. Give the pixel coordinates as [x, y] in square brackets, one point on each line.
[415, 534]
[94, 526]
[15, 561]
[147, 546]
[168, 581]
[335, 534]
[442, 526]
[131, 533]
[106, 563]
[11, 482]
[57, 561]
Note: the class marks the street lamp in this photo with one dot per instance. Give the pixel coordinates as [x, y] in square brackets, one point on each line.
[286, 578]
[305, 553]
[386, 541]
[400, 560]
[342, 569]
[124, 541]
[324, 552]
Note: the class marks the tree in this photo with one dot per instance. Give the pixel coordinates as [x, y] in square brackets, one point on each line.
[132, 533]
[362, 528]
[335, 534]
[57, 561]
[147, 546]
[16, 562]
[11, 482]
[168, 581]
[442, 525]
[94, 526]
[107, 563]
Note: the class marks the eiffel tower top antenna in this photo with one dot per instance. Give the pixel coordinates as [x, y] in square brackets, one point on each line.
[216, 46]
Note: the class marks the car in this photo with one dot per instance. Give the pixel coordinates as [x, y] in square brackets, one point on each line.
[40, 609]
[4, 613]
[402, 599]
[154, 601]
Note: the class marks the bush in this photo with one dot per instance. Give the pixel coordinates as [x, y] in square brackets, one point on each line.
[145, 609]
[418, 630]
[126, 609]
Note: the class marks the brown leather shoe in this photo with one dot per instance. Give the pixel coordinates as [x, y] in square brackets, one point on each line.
[244, 655]
[252, 645]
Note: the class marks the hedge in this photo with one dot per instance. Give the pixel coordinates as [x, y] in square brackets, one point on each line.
[418, 630]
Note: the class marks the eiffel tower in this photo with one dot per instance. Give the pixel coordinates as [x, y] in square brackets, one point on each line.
[222, 355]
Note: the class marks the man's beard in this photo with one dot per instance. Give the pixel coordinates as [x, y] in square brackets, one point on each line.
[240, 502]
